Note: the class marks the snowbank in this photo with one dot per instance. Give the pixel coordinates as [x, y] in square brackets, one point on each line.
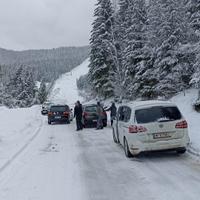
[17, 128]
[185, 103]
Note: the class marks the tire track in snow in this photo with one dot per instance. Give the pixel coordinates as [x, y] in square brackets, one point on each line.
[21, 150]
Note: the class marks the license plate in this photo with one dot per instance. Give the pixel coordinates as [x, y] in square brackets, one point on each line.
[94, 120]
[161, 135]
[57, 117]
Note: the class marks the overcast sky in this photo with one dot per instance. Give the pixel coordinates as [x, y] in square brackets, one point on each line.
[38, 24]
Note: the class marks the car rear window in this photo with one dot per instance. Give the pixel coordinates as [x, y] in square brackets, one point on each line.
[59, 108]
[91, 109]
[157, 114]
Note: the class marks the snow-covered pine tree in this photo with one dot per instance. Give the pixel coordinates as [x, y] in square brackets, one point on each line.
[28, 95]
[20, 90]
[134, 55]
[194, 14]
[42, 94]
[119, 37]
[172, 35]
[101, 60]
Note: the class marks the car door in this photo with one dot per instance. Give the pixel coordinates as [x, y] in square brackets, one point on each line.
[120, 117]
[125, 123]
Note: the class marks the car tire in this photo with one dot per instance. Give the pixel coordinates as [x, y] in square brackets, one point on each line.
[49, 122]
[126, 149]
[114, 137]
[104, 124]
[181, 151]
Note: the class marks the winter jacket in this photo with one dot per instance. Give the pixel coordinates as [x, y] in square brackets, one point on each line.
[113, 110]
[99, 110]
[78, 111]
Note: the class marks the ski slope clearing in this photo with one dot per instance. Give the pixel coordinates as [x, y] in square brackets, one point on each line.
[185, 102]
[65, 89]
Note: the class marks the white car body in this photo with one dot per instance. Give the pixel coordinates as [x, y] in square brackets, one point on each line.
[163, 134]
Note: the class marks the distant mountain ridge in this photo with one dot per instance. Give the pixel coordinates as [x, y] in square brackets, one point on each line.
[48, 64]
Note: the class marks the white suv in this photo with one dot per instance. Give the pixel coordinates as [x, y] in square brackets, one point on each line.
[150, 126]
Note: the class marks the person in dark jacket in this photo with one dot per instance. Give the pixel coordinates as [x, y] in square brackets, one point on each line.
[113, 112]
[78, 111]
[99, 116]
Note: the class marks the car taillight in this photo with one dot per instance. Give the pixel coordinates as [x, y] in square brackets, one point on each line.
[85, 114]
[182, 124]
[136, 129]
[50, 113]
[65, 113]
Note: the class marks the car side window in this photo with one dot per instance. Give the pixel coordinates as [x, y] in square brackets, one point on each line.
[120, 114]
[127, 113]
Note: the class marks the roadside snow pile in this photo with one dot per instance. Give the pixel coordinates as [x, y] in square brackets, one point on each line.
[17, 128]
[65, 89]
[185, 104]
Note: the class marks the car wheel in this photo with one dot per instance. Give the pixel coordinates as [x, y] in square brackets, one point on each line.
[126, 149]
[49, 122]
[181, 151]
[104, 124]
[68, 121]
[114, 138]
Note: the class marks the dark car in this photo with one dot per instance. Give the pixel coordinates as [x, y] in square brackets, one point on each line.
[90, 115]
[59, 113]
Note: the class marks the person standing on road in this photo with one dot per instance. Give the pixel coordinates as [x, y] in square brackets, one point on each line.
[99, 115]
[78, 111]
[113, 112]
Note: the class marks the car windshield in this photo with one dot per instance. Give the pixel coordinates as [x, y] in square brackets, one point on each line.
[157, 114]
[90, 109]
[59, 108]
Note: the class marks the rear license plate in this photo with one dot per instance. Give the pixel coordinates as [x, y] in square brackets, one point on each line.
[161, 135]
[57, 117]
[94, 120]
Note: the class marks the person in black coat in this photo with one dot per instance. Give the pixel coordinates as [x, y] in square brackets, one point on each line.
[78, 112]
[113, 112]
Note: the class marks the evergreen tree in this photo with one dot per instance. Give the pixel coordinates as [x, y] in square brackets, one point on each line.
[42, 94]
[194, 14]
[172, 34]
[120, 44]
[101, 56]
[20, 91]
[134, 54]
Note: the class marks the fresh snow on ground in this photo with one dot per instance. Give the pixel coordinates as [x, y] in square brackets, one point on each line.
[49, 162]
[17, 128]
[185, 103]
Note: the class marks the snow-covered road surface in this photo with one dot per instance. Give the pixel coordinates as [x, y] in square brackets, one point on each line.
[54, 162]
[64, 164]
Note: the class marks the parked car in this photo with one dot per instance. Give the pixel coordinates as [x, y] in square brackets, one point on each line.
[59, 113]
[45, 108]
[150, 126]
[90, 115]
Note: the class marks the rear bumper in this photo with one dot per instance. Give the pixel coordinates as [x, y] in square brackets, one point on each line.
[62, 119]
[44, 112]
[136, 148]
[93, 121]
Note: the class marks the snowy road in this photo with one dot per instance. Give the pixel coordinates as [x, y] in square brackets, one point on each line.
[54, 162]
[64, 164]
